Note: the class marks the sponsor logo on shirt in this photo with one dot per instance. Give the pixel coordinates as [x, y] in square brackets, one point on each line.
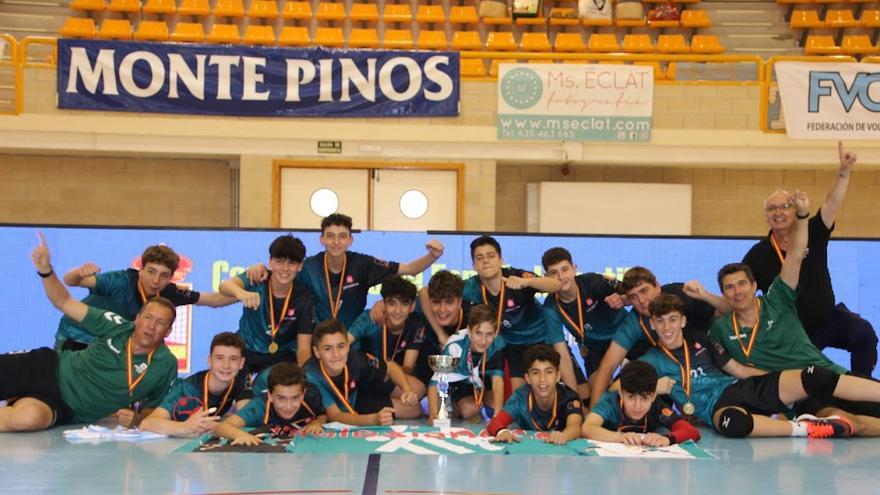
[141, 368]
[510, 303]
[349, 278]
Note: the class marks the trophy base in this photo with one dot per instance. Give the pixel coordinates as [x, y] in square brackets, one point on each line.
[444, 425]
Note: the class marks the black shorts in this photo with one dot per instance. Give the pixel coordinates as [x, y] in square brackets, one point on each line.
[814, 405]
[34, 374]
[255, 362]
[371, 401]
[515, 354]
[757, 395]
[463, 389]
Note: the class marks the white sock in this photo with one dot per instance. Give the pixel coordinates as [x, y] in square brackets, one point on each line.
[798, 429]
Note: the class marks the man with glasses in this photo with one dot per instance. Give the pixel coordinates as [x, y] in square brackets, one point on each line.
[827, 324]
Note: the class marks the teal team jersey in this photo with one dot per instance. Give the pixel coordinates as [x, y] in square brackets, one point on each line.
[259, 411]
[361, 272]
[363, 369]
[299, 318]
[708, 380]
[634, 329]
[469, 368]
[368, 337]
[94, 381]
[522, 320]
[187, 396]
[610, 409]
[781, 343]
[600, 321]
[534, 418]
[117, 291]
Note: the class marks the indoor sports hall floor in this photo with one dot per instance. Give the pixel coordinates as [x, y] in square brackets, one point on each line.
[46, 463]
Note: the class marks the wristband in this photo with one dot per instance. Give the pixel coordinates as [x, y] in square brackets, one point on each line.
[47, 274]
[799, 217]
[672, 440]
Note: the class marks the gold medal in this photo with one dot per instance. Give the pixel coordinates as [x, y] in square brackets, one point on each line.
[689, 408]
[273, 348]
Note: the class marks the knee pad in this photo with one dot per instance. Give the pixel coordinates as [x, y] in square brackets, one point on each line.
[735, 423]
[819, 382]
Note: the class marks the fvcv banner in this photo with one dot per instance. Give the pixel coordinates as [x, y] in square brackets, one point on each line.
[575, 102]
[830, 100]
[257, 81]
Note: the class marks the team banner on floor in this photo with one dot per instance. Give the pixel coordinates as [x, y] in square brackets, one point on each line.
[249, 80]
[575, 102]
[830, 100]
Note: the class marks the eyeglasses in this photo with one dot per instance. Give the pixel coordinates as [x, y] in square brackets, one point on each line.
[775, 208]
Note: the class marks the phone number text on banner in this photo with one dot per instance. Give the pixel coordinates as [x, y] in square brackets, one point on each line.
[830, 100]
[256, 81]
[583, 102]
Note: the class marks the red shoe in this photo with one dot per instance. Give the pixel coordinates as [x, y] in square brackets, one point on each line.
[829, 427]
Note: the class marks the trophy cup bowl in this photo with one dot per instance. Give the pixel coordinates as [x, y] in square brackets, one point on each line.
[443, 364]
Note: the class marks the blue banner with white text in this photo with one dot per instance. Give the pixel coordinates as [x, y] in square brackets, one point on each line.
[255, 81]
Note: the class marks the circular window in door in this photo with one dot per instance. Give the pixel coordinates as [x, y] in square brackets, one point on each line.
[324, 202]
[413, 204]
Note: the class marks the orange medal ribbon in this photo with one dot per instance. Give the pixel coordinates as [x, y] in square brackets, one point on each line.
[580, 326]
[272, 326]
[500, 305]
[133, 382]
[646, 331]
[143, 294]
[748, 350]
[776, 248]
[478, 399]
[685, 370]
[550, 424]
[334, 306]
[225, 396]
[340, 395]
[385, 342]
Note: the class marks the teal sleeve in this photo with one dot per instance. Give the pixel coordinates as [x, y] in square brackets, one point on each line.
[555, 332]
[326, 395]
[158, 392]
[608, 408]
[252, 414]
[362, 328]
[260, 387]
[177, 391]
[113, 284]
[628, 333]
[471, 291]
[248, 286]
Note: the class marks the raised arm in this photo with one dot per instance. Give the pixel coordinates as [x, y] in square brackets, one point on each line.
[55, 290]
[82, 276]
[214, 300]
[540, 284]
[234, 287]
[695, 290]
[834, 199]
[791, 267]
[435, 251]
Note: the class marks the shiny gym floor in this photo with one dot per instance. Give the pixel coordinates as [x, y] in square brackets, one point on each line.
[45, 462]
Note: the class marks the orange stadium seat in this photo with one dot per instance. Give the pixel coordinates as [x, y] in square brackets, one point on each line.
[125, 6]
[152, 31]
[671, 43]
[473, 67]
[706, 44]
[75, 27]
[192, 32]
[569, 42]
[598, 22]
[821, 45]
[397, 13]
[224, 33]
[870, 18]
[114, 29]
[432, 40]
[329, 36]
[637, 43]
[364, 12]
[805, 19]
[531, 21]
[398, 38]
[294, 36]
[534, 42]
[840, 19]
[194, 7]
[500, 41]
[263, 9]
[259, 35]
[428, 14]
[297, 11]
[696, 18]
[603, 43]
[463, 15]
[493, 67]
[229, 8]
[91, 5]
[329, 11]
[166, 7]
[466, 40]
[630, 23]
[363, 38]
[564, 17]
[858, 44]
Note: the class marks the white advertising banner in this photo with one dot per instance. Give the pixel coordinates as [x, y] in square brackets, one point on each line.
[830, 100]
[575, 102]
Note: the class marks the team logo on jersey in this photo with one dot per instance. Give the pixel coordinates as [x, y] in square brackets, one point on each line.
[576, 404]
[352, 384]
[510, 303]
[666, 412]
[697, 345]
[349, 279]
[141, 368]
[589, 301]
[291, 312]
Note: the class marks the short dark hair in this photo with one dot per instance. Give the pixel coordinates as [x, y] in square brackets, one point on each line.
[328, 327]
[337, 219]
[555, 255]
[665, 304]
[286, 374]
[635, 276]
[731, 268]
[161, 301]
[444, 285]
[287, 247]
[484, 240]
[227, 339]
[397, 287]
[541, 352]
[480, 314]
[638, 377]
[161, 255]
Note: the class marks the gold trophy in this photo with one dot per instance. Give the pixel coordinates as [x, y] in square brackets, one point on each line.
[443, 364]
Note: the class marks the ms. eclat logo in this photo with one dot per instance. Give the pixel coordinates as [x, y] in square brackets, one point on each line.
[826, 83]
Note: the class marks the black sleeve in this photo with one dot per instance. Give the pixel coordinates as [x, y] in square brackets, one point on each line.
[700, 314]
[375, 270]
[305, 308]
[571, 403]
[416, 329]
[665, 414]
[368, 368]
[599, 286]
[719, 354]
[819, 233]
[241, 390]
[762, 267]
[313, 399]
[528, 291]
[180, 296]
